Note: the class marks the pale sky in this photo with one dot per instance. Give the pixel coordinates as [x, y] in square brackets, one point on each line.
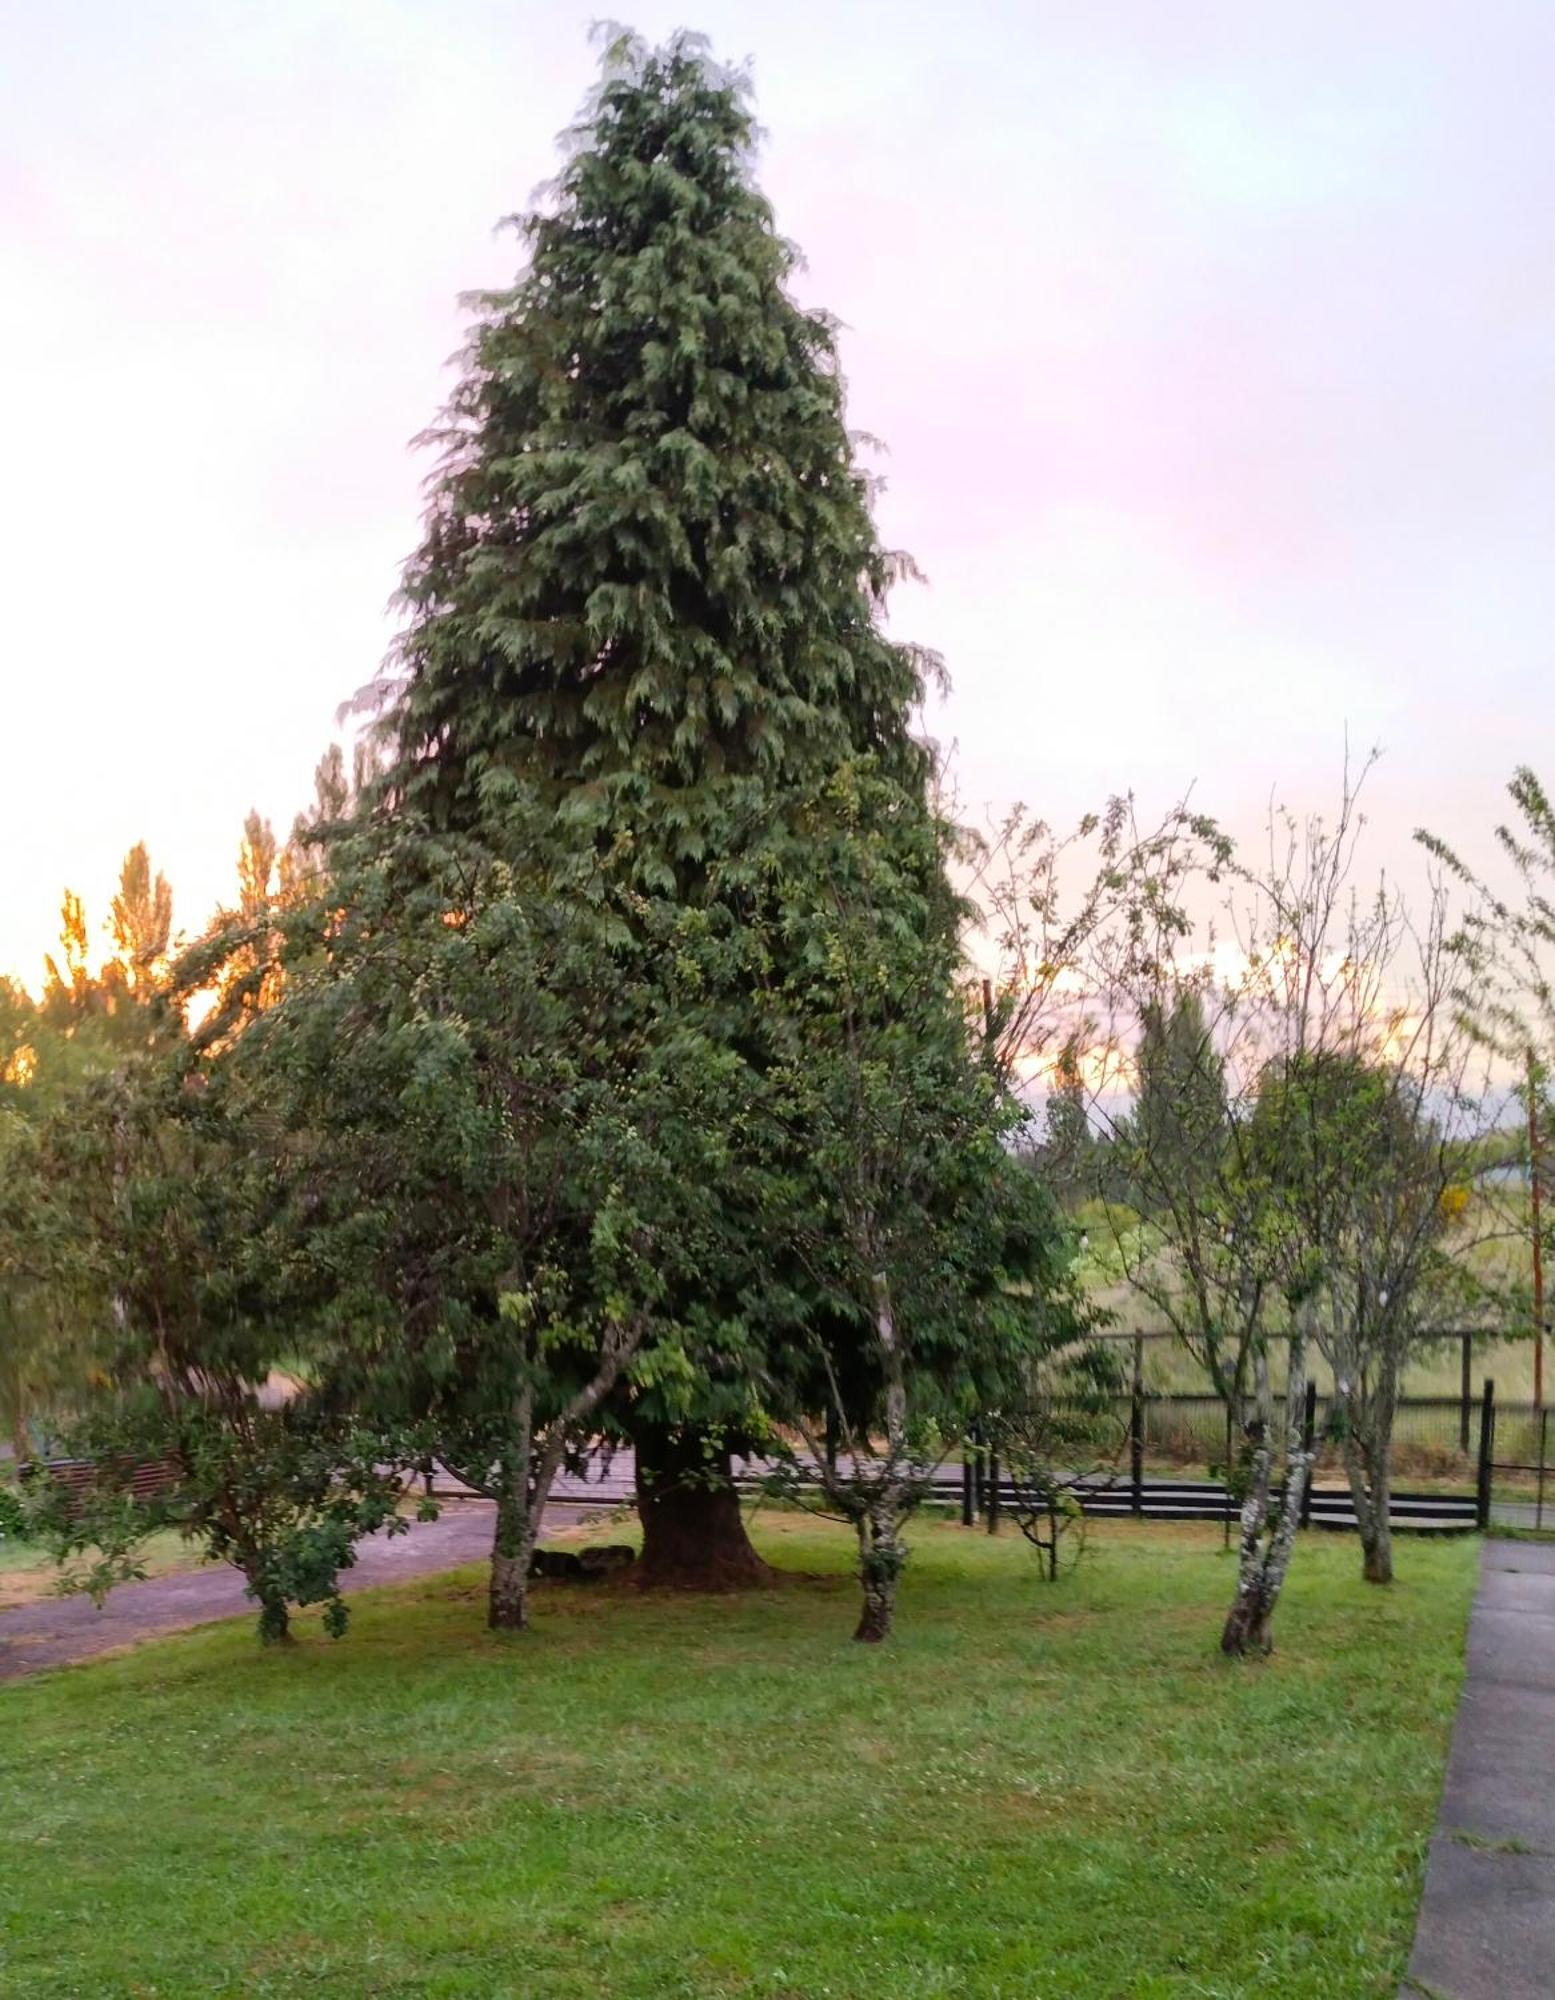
[1214, 346]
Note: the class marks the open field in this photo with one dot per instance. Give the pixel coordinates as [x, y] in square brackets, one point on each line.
[1437, 1370]
[1498, 1238]
[1034, 1791]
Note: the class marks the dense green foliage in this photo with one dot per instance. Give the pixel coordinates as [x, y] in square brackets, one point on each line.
[650, 583]
[596, 1060]
[645, 631]
[56, 1055]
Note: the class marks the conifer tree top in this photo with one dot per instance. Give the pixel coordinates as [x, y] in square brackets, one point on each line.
[650, 586]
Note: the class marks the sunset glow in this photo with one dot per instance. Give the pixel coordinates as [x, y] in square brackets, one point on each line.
[1205, 455]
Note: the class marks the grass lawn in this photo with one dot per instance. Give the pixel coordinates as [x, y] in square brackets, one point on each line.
[1036, 1792]
[27, 1572]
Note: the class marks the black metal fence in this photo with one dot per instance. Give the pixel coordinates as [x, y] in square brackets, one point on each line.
[984, 1493]
[1515, 1478]
[984, 1496]
[1455, 1464]
[1429, 1421]
[1430, 1438]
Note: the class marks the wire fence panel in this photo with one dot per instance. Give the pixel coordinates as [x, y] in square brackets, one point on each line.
[1430, 1439]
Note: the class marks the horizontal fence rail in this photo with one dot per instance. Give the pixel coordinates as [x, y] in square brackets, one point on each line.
[1182, 1500]
[147, 1480]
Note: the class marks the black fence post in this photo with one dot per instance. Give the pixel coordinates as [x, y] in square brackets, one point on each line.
[1225, 1472]
[1136, 1427]
[968, 1483]
[993, 1489]
[1487, 1445]
[1466, 1393]
[1308, 1438]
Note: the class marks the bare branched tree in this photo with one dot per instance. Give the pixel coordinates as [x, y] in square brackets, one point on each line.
[1286, 1105]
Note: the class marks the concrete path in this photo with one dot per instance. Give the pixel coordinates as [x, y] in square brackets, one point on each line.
[60, 1630]
[1487, 1921]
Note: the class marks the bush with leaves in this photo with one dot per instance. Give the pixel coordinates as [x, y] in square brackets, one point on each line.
[921, 1266]
[1059, 1442]
[283, 1495]
[500, 1134]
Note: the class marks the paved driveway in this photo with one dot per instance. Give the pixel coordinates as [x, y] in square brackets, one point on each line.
[1487, 1921]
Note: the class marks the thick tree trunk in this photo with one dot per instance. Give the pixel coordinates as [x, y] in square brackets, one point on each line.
[881, 1556]
[693, 1532]
[512, 1546]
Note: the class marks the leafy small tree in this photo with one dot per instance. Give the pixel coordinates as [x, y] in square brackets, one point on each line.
[1303, 1101]
[1512, 929]
[1059, 1442]
[1507, 999]
[283, 1494]
[501, 1155]
[932, 1265]
[1366, 1142]
[170, 1192]
[56, 1055]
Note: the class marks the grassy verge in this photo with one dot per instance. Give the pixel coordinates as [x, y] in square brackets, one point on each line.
[28, 1573]
[1056, 1793]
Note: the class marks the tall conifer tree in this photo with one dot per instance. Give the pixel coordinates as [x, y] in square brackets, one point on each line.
[648, 599]
[650, 583]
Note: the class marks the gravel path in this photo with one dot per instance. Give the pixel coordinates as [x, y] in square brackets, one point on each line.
[58, 1631]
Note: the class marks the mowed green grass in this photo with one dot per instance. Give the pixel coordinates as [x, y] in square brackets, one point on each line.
[1043, 1792]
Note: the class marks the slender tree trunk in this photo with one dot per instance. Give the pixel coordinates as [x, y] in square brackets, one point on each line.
[1379, 1559]
[1262, 1568]
[521, 1493]
[881, 1553]
[1246, 1621]
[1368, 1465]
[693, 1531]
[1358, 1478]
[1377, 1564]
[275, 1619]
